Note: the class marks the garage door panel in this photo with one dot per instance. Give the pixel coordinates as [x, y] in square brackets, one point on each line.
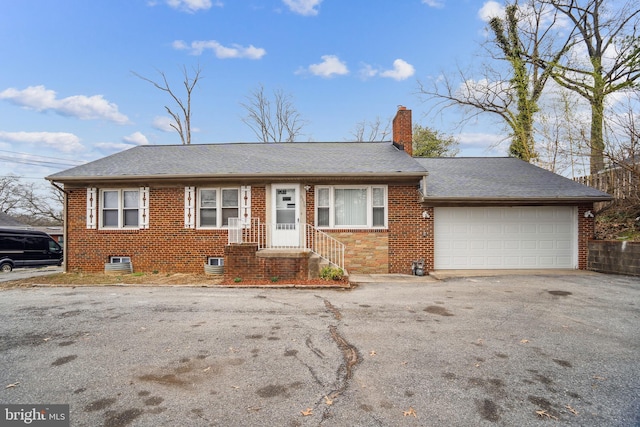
[510, 245]
[546, 228]
[494, 229]
[517, 237]
[511, 228]
[546, 244]
[494, 244]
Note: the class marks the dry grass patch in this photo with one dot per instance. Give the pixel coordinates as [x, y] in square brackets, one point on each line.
[99, 279]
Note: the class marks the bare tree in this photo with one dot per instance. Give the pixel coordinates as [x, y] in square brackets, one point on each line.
[43, 207]
[622, 130]
[9, 194]
[610, 38]
[511, 93]
[371, 131]
[562, 136]
[272, 120]
[182, 118]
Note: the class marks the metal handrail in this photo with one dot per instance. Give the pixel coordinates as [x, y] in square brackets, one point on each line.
[313, 239]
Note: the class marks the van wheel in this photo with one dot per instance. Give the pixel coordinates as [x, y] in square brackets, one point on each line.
[5, 267]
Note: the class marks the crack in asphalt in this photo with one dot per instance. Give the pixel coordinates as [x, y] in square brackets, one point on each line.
[350, 359]
[336, 313]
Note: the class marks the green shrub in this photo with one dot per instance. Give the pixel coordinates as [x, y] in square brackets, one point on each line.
[274, 279]
[331, 273]
[237, 279]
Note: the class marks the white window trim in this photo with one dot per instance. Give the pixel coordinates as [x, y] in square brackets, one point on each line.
[218, 208]
[369, 224]
[142, 210]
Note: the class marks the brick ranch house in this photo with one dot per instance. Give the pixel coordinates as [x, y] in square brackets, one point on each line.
[280, 210]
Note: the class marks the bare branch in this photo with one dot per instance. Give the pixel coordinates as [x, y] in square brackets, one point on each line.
[275, 120]
[182, 118]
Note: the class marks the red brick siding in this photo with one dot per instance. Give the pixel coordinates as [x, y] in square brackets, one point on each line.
[243, 262]
[166, 246]
[259, 203]
[410, 235]
[586, 232]
[402, 129]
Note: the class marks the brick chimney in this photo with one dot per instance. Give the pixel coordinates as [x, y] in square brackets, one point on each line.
[402, 130]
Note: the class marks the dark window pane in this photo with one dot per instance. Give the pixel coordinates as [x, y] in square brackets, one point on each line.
[131, 218]
[378, 217]
[110, 218]
[323, 217]
[228, 213]
[208, 218]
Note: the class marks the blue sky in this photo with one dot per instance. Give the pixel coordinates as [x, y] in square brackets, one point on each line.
[68, 94]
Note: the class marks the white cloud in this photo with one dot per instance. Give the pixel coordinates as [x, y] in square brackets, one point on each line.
[136, 138]
[491, 9]
[330, 66]
[303, 7]
[367, 71]
[434, 3]
[482, 144]
[402, 70]
[190, 6]
[83, 107]
[197, 47]
[61, 141]
[111, 147]
[163, 123]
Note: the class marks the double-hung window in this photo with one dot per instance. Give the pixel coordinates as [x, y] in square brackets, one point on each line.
[351, 206]
[216, 206]
[119, 208]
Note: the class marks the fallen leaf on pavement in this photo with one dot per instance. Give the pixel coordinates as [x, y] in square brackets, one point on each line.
[46, 339]
[372, 353]
[328, 401]
[524, 341]
[411, 411]
[208, 368]
[573, 411]
[307, 412]
[12, 385]
[597, 377]
[542, 413]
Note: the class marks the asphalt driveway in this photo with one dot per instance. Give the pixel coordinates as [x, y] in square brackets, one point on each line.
[509, 350]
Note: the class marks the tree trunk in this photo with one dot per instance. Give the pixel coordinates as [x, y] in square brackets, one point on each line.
[596, 140]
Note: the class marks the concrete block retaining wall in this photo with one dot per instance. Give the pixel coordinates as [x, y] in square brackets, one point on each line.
[614, 257]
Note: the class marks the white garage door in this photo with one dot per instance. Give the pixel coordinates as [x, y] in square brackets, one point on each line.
[505, 238]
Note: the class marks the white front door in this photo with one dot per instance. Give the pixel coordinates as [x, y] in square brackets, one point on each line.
[286, 214]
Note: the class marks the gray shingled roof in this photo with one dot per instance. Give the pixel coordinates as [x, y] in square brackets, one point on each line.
[449, 179]
[499, 178]
[281, 159]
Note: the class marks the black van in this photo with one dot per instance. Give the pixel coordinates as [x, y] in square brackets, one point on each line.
[26, 248]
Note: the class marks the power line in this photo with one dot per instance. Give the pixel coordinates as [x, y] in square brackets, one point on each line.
[34, 160]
